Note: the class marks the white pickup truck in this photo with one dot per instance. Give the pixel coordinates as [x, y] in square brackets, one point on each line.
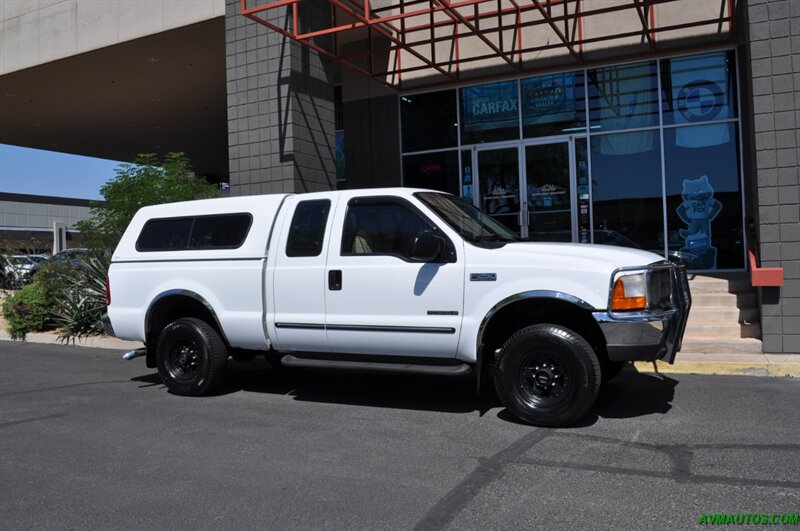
[388, 279]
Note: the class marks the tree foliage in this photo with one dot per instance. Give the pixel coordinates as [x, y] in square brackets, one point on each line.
[146, 181]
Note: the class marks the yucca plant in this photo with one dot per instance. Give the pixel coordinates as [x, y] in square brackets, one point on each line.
[81, 300]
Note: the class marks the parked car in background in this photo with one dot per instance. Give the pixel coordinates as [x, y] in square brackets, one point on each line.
[74, 257]
[16, 268]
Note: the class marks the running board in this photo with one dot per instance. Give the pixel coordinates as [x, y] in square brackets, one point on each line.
[455, 369]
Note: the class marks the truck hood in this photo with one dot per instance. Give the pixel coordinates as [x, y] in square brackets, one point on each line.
[578, 255]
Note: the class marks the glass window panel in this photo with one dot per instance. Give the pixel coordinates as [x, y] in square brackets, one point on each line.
[699, 88]
[436, 171]
[307, 230]
[704, 201]
[165, 235]
[549, 192]
[429, 121]
[626, 190]
[623, 97]
[220, 232]
[498, 174]
[553, 104]
[382, 229]
[489, 113]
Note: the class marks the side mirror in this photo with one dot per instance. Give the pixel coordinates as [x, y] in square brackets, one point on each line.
[427, 247]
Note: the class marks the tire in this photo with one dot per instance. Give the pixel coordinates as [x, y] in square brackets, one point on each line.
[191, 357]
[610, 370]
[547, 375]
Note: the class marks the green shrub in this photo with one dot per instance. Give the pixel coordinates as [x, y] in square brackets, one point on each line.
[51, 277]
[28, 310]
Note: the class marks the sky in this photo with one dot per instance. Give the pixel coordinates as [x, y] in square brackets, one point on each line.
[34, 171]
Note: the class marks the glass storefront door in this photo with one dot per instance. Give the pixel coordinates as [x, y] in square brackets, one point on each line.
[498, 180]
[530, 188]
[549, 192]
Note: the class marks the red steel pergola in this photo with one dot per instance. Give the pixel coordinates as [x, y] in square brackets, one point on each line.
[407, 36]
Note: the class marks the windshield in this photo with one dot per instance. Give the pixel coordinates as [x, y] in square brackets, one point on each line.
[472, 224]
[20, 260]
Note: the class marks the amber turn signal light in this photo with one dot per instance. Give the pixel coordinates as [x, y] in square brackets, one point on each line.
[619, 300]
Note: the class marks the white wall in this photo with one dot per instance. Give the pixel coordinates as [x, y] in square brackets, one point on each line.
[33, 32]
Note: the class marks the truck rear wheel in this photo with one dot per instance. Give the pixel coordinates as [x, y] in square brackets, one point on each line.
[547, 375]
[191, 357]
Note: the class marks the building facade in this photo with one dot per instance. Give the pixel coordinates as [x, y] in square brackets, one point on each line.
[40, 223]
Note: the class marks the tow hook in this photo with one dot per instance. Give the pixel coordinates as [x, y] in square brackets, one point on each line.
[134, 354]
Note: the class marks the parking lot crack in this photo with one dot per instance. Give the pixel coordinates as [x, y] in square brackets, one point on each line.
[488, 470]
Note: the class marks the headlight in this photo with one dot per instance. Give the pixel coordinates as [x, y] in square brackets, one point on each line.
[630, 292]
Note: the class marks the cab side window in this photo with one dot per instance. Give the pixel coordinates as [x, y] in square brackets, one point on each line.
[381, 228]
[307, 230]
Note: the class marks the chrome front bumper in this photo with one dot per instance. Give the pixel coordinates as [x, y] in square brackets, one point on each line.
[649, 336]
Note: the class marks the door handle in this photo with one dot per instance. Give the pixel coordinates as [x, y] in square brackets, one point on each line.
[335, 280]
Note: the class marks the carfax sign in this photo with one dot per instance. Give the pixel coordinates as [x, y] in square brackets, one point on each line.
[490, 106]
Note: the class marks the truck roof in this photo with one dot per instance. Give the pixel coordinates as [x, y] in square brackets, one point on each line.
[247, 203]
[262, 209]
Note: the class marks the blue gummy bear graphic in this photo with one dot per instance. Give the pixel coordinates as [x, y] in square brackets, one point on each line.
[698, 210]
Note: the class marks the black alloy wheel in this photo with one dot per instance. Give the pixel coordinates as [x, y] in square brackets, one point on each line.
[183, 361]
[543, 380]
[547, 375]
[191, 357]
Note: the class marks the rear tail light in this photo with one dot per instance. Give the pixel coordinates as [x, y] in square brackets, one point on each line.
[108, 292]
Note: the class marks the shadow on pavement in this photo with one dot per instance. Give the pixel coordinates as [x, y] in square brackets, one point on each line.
[631, 394]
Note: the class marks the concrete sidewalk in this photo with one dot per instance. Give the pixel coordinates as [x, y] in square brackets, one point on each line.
[720, 364]
[92, 342]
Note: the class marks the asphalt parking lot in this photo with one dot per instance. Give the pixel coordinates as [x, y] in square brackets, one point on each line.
[90, 441]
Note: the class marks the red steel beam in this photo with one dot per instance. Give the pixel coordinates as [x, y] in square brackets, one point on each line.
[558, 18]
[377, 26]
[579, 42]
[459, 18]
[587, 63]
[316, 48]
[371, 19]
[426, 27]
[557, 31]
[589, 41]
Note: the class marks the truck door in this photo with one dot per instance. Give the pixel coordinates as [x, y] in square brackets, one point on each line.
[378, 299]
[296, 288]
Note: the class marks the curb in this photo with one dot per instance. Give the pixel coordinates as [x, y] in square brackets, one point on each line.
[723, 368]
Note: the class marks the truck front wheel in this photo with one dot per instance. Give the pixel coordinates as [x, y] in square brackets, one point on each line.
[547, 375]
[191, 357]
